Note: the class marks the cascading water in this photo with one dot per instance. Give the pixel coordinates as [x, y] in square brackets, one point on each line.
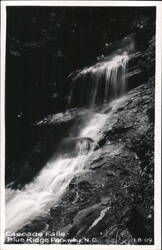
[104, 81]
[47, 189]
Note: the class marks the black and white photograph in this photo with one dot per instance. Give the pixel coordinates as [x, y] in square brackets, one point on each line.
[80, 110]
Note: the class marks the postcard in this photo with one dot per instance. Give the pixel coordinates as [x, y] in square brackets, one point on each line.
[81, 124]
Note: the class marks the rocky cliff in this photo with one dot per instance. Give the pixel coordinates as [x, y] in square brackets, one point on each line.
[111, 201]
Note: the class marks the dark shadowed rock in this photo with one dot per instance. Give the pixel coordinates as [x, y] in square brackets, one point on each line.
[112, 200]
[106, 198]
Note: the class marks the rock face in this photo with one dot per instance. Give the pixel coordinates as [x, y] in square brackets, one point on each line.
[111, 202]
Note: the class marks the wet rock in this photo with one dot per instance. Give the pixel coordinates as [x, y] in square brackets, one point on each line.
[48, 136]
[107, 194]
[102, 202]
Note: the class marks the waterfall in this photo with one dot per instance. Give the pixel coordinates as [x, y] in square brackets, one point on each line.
[104, 81]
[48, 187]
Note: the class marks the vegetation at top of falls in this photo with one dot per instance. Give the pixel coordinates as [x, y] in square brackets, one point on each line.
[77, 34]
[46, 44]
